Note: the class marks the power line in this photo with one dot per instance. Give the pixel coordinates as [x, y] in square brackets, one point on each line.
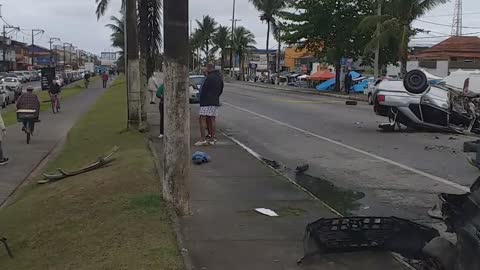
[450, 15]
[448, 25]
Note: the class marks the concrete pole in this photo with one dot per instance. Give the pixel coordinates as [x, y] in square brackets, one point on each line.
[177, 113]
[376, 70]
[133, 66]
[232, 61]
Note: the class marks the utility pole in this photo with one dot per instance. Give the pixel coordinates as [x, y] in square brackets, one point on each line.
[65, 53]
[34, 33]
[176, 111]
[50, 41]
[132, 65]
[232, 69]
[376, 69]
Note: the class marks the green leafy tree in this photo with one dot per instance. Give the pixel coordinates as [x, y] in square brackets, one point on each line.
[328, 28]
[243, 42]
[269, 9]
[195, 46]
[206, 29]
[221, 40]
[396, 23]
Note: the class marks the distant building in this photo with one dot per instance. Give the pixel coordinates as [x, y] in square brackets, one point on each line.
[108, 59]
[456, 52]
[40, 56]
[299, 60]
[7, 55]
[258, 58]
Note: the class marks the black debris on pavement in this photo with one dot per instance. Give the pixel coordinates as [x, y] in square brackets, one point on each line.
[271, 163]
[302, 168]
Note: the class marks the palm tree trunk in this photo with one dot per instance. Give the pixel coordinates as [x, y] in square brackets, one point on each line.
[176, 111]
[133, 66]
[223, 61]
[403, 52]
[268, 55]
[338, 71]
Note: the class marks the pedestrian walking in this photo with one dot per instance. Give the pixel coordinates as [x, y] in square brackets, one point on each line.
[153, 85]
[105, 79]
[210, 94]
[159, 94]
[348, 81]
[3, 132]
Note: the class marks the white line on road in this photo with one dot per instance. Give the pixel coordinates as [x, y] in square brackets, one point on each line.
[405, 167]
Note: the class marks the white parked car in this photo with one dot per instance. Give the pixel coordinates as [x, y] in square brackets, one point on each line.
[195, 85]
[59, 80]
[7, 96]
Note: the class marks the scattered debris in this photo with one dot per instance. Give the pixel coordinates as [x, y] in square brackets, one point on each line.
[200, 158]
[452, 138]
[266, 212]
[302, 168]
[348, 234]
[271, 163]
[437, 138]
[471, 146]
[100, 163]
[351, 102]
[436, 147]
[9, 251]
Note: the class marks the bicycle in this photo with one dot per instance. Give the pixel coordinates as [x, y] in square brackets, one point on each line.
[28, 118]
[86, 81]
[55, 103]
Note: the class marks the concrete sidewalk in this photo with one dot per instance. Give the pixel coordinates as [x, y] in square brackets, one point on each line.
[48, 133]
[224, 232]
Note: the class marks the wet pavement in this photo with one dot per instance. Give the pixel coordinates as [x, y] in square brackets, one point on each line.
[353, 167]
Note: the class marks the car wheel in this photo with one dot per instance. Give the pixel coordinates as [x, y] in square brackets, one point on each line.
[415, 82]
[370, 99]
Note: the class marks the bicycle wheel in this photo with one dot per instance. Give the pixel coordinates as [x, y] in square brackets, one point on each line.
[53, 105]
[28, 136]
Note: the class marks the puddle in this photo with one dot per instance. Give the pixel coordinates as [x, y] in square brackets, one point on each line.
[343, 200]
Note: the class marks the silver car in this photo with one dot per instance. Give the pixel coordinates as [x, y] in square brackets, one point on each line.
[419, 103]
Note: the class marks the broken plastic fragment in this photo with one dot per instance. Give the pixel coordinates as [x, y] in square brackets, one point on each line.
[266, 212]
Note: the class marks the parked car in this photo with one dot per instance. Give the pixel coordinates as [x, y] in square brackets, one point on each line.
[35, 75]
[13, 84]
[196, 82]
[7, 96]
[27, 75]
[419, 103]
[20, 76]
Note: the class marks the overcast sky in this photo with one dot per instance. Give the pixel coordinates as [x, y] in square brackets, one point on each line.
[75, 21]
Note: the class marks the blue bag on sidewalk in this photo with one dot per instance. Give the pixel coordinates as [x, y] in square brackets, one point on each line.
[200, 158]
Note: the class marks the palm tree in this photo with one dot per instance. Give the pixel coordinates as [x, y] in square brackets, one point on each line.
[118, 37]
[243, 42]
[397, 21]
[269, 9]
[195, 46]
[206, 29]
[221, 40]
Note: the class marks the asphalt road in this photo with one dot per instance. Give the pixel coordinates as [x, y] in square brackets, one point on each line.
[353, 167]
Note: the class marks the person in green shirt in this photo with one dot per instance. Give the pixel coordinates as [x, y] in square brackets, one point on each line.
[159, 95]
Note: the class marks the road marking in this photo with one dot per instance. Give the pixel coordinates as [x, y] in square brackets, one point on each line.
[386, 160]
[308, 101]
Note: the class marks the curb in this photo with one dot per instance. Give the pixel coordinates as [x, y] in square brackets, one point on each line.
[299, 90]
[187, 261]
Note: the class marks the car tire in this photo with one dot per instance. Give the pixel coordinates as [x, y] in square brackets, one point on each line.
[370, 99]
[416, 82]
[471, 147]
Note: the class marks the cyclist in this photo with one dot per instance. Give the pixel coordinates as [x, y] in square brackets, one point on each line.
[86, 78]
[54, 91]
[28, 101]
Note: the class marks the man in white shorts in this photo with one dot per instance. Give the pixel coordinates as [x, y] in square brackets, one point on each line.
[210, 94]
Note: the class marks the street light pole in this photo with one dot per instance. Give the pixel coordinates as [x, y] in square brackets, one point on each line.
[233, 40]
[50, 41]
[34, 33]
[376, 71]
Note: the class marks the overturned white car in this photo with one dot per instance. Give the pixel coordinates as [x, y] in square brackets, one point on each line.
[449, 105]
